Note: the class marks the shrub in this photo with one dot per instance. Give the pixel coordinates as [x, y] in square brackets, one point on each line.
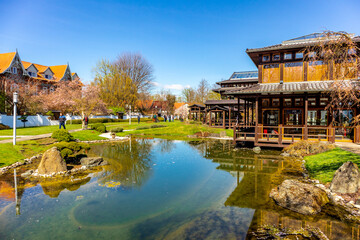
[3, 126]
[62, 135]
[71, 151]
[116, 130]
[158, 126]
[142, 127]
[304, 148]
[100, 127]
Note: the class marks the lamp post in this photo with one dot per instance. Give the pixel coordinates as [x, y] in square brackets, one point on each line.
[15, 101]
[129, 106]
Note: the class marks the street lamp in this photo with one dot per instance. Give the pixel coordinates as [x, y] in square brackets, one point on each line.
[129, 106]
[15, 101]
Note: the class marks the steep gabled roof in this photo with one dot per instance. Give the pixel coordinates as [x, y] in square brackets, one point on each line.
[177, 105]
[59, 71]
[6, 60]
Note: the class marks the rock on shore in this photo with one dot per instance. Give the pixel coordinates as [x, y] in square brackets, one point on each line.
[346, 179]
[299, 197]
[51, 162]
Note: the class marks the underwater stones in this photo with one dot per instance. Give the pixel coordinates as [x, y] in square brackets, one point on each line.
[257, 149]
[299, 197]
[346, 179]
[27, 173]
[51, 162]
[93, 161]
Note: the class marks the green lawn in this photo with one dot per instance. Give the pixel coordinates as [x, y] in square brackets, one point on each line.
[37, 130]
[87, 135]
[323, 166]
[173, 129]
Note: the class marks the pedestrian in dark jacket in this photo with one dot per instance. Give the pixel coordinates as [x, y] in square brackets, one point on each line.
[62, 120]
[86, 121]
[138, 119]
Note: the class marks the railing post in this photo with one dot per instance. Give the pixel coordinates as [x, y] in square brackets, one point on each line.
[357, 134]
[256, 134]
[280, 134]
[234, 137]
[333, 134]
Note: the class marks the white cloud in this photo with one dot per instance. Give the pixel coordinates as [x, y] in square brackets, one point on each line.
[156, 84]
[174, 86]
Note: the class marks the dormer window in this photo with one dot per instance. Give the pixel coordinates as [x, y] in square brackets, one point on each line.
[299, 55]
[14, 70]
[288, 56]
[32, 74]
[276, 57]
[266, 58]
[48, 76]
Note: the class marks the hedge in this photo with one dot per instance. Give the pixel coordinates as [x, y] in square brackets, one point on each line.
[107, 120]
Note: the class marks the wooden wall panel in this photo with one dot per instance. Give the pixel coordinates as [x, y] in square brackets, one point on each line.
[271, 73]
[293, 72]
[317, 71]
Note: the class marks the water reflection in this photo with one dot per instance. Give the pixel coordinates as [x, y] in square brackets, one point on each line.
[129, 163]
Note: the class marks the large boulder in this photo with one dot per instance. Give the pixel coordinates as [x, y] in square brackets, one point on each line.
[346, 179]
[93, 161]
[52, 162]
[299, 197]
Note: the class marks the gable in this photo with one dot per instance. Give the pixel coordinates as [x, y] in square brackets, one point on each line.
[6, 60]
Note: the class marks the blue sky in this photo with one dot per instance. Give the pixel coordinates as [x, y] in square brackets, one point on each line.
[184, 40]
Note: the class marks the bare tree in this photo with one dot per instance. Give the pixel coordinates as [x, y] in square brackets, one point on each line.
[213, 95]
[137, 68]
[202, 91]
[188, 95]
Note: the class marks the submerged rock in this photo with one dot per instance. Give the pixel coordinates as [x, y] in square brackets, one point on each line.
[93, 161]
[346, 179]
[257, 149]
[27, 173]
[299, 197]
[51, 162]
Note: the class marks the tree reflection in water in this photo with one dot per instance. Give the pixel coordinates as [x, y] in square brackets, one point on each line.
[129, 162]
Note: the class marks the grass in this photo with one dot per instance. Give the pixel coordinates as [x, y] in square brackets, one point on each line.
[87, 135]
[37, 130]
[173, 129]
[323, 166]
[10, 154]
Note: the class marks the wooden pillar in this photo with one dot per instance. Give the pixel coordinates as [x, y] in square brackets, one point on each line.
[256, 121]
[306, 118]
[229, 117]
[238, 113]
[210, 119]
[245, 112]
[223, 113]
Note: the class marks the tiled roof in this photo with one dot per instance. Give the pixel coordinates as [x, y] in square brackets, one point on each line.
[59, 71]
[5, 60]
[316, 86]
[26, 64]
[223, 89]
[243, 80]
[220, 102]
[177, 105]
[197, 105]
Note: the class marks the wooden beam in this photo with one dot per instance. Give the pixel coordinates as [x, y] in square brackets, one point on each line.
[223, 113]
[256, 120]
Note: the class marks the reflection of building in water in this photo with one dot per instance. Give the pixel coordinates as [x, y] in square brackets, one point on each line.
[255, 174]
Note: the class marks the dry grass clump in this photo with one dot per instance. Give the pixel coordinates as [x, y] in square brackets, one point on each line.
[304, 148]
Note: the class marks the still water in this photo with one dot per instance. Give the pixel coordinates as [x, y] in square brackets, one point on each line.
[158, 189]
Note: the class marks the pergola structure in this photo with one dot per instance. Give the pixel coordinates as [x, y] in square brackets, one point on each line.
[197, 112]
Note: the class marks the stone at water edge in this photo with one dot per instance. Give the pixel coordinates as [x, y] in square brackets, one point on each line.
[93, 161]
[223, 134]
[346, 179]
[257, 149]
[51, 162]
[299, 197]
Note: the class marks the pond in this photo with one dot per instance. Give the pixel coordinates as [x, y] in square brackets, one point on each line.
[159, 189]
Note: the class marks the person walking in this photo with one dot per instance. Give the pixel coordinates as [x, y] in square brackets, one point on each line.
[138, 118]
[62, 120]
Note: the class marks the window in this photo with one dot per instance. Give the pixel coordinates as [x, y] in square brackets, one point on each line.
[324, 101]
[312, 54]
[293, 117]
[317, 118]
[270, 118]
[299, 102]
[276, 57]
[299, 55]
[47, 76]
[52, 89]
[266, 102]
[287, 102]
[312, 101]
[14, 70]
[266, 58]
[288, 56]
[45, 89]
[276, 102]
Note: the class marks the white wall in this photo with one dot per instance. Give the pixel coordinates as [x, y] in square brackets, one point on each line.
[40, 120]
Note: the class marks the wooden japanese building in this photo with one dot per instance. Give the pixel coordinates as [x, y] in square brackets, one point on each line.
[289, 103]
[228, 111]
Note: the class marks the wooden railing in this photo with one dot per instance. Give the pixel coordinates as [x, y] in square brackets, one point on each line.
[290, 134]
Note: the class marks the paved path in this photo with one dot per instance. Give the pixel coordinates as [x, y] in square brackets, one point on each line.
[31, 137]
[351, 147]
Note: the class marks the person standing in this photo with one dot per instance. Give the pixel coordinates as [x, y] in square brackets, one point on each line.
[62, 120]
[138, 118]
[86, 122]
